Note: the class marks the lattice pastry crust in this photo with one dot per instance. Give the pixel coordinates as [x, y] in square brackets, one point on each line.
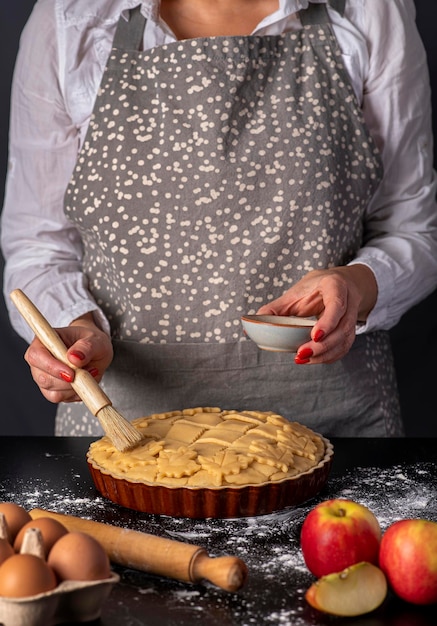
[207, 447]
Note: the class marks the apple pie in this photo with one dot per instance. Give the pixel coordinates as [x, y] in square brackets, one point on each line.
[207, 462]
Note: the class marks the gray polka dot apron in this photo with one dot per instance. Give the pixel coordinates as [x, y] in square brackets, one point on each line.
[216, 173]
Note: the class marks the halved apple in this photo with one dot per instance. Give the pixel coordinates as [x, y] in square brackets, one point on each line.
[356, 590]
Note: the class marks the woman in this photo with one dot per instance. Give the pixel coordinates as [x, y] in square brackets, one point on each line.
[238, 157]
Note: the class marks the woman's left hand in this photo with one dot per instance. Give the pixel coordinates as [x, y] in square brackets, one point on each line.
[339, 298]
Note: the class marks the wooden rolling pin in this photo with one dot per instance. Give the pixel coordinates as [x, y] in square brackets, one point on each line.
[157, 555]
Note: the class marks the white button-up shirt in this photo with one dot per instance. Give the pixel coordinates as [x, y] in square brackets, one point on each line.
[61, 59]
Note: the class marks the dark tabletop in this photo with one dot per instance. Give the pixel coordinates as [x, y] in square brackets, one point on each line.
[395, 478]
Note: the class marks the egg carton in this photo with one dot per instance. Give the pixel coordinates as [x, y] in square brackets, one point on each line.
[70, 601]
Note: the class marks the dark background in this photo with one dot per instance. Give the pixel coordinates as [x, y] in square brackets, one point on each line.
[23, 410]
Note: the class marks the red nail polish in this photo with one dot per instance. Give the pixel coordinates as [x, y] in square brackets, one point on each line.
[319, 334]
[305, 353]
[78, 355]
[94, 372]
[66, 376]
[299, 361]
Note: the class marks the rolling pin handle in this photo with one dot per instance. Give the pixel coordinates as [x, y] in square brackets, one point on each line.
[227, 572]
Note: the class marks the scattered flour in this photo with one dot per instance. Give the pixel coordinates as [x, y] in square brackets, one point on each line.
[268, 544]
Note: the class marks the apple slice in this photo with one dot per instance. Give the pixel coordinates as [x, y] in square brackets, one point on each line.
[356, 590]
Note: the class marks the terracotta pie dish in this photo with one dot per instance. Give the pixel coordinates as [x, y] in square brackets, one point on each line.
[296, 466]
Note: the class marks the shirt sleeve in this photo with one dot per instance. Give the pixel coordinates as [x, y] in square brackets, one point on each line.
[42, 249]
[400, 243]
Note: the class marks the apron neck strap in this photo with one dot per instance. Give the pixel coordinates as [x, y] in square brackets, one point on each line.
[338, 5]
[318, 13]
[130, 32]
[314, 14]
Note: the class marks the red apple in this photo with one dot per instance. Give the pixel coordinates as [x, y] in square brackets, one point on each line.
[408, 557]
[338, 533]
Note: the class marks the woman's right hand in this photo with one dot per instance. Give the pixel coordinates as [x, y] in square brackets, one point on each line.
[88, 347]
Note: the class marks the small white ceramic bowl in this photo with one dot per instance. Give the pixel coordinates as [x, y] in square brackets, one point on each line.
[276, 332]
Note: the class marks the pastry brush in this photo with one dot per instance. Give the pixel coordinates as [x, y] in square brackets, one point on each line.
[120, 431]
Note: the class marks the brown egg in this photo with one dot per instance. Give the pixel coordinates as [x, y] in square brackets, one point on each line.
[78, 556]
[16, 516]
[51, 531]
[6, 550]
[25, 575]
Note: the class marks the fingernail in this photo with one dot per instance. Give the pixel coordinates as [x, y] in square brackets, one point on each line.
[94, 372]
[78, 355]
[66, 376]
[305, 353]
[299, 361]
[318, 336]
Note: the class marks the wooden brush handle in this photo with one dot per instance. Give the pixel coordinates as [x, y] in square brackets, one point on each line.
[84, 384]
[157, 555]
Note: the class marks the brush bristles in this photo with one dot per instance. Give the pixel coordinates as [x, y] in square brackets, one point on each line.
[120, 431]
